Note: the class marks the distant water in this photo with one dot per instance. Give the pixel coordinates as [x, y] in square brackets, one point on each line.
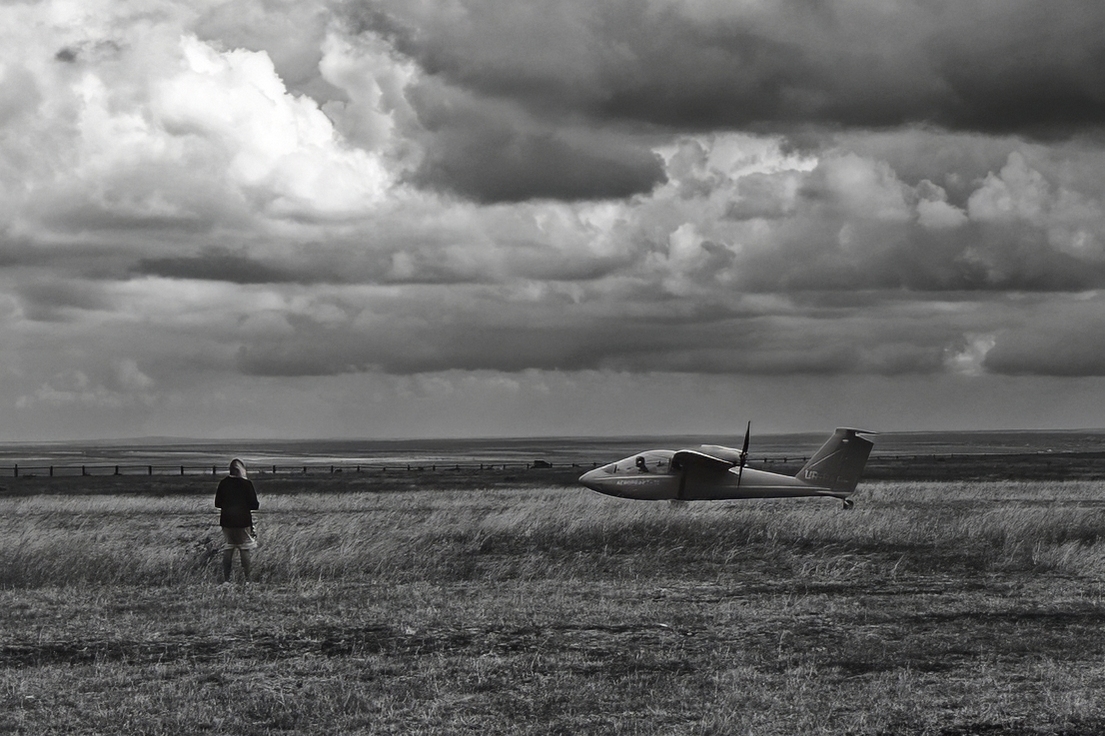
[556, 450]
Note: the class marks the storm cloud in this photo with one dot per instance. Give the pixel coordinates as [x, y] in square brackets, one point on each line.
[991, 66]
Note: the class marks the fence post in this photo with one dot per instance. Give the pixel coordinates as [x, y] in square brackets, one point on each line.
[83, 471]
[182, 470]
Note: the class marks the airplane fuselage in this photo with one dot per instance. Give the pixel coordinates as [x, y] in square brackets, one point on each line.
[651, 476]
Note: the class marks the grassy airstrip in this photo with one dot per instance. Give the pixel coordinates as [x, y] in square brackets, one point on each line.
[534, 608]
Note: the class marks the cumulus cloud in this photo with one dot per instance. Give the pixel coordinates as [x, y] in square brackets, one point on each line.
[143, 124]
[276, 143]
[672, 281]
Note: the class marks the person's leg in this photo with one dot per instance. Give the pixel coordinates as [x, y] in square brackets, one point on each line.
[228, 561]
[246, 559]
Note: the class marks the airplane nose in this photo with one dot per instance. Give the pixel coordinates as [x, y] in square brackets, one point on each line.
[590, 479]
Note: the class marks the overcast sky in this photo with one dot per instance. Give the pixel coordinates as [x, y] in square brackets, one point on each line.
[403, 218]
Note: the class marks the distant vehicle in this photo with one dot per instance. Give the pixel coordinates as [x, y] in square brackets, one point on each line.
[713, 472]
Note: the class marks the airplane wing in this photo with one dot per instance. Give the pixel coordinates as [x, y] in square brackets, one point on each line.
[688, 459]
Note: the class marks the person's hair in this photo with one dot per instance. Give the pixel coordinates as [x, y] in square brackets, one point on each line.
[237, 468]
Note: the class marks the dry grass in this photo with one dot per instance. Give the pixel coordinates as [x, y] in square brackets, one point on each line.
[932, 608]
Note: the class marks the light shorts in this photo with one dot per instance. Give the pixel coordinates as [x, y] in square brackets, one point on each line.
[238, 538]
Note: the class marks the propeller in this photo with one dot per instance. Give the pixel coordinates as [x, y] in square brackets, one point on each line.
[679, 494]
[744, 453]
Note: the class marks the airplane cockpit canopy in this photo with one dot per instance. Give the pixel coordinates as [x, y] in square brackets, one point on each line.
[650, 461]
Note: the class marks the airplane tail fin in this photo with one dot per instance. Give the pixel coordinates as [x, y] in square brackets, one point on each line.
[839, 463]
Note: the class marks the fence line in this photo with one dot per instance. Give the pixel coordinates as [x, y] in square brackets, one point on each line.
[20, 470]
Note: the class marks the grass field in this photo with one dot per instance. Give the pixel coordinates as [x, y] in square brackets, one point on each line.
[930, 608]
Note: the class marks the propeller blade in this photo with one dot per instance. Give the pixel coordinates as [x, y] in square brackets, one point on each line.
[744, 452]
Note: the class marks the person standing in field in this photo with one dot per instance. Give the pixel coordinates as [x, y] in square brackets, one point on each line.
[237, 498]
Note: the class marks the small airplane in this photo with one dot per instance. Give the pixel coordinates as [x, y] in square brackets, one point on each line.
[711, 472]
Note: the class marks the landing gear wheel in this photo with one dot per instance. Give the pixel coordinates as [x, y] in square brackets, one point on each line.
[849, 503]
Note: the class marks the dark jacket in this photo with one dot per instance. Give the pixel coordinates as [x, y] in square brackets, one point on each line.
[236, 497]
